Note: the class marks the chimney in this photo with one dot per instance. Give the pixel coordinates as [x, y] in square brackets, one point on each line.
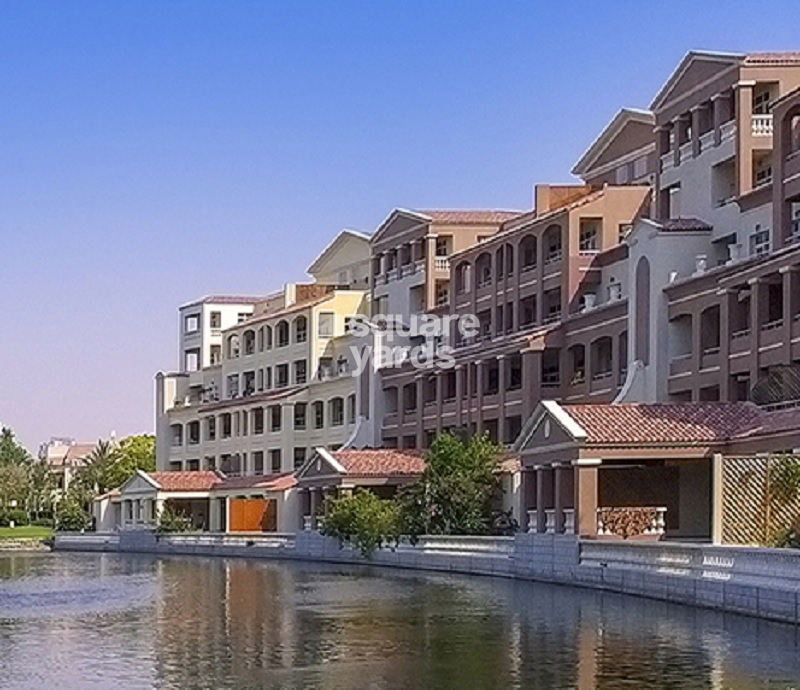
[541, 198]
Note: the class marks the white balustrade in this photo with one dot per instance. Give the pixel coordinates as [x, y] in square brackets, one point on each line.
[762, 125]
[550, 521]
[569, 521]
[532, 519]
[441, 263]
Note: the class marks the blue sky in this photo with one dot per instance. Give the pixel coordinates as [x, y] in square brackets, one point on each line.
[153, 152]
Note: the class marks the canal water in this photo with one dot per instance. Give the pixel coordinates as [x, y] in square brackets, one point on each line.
[123, 621]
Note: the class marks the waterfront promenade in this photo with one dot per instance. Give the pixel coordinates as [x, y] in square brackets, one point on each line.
[753, 581]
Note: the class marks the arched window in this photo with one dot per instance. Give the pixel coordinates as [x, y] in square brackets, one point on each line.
[249, 342]
[233, 346]
[601, 358]
[500, 261]
[300, 329]
[177, 434]
[642, 344]
[268, 337]
[552, 241]
[509, 258]
[527, 253]
[282, 333]
[462, 277]
[483, 268]
[576, 357]
[351, 408]
[319, 414]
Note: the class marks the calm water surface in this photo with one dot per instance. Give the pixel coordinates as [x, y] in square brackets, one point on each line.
[102, 621]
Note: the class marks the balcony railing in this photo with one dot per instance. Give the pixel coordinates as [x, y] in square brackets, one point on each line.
[441, 263]
[761, 125]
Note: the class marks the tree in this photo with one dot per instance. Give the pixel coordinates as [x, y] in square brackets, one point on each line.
[13, 485]
[363, 520]
[41, 486]
[457, 490]
[11, 452]
[133, 453]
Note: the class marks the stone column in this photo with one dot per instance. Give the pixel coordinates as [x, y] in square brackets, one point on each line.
[696, 112]
[430, 271]
[314, 494]
[544, 496]
[721, 104]
[420, 422]
[757, 289]
[788, 277]
[697, 352]
[744, 136]
[727, 305]
[459, 369]
[479, 397]
[531, 381]
[586, 491]
[676, 139]
[439, 399]
[528, 497]
[501, 397]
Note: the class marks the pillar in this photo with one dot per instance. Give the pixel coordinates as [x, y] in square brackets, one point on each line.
[501, 397]
[528, 496]
[459, 369]
[314, 496]
[697, 352]
[716, 499]
[430, 272]
[586, 486]
[696, 112]
[544, 496]
[531, 381]
[676, 140]
[439, 399]
[757, 290]
[721, 105]
[726, 307]
[420, 422]
[787, 278]
[479, 397]
[744, 136]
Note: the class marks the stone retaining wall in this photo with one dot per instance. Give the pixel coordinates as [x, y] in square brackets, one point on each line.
[752, 581]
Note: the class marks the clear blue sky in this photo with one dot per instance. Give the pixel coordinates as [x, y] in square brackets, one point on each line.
[153, 152]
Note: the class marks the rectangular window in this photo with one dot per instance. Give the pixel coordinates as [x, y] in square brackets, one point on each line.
[216, 354]
[258, 462]
[258, 420]
[275, 460]
[351, 409]
[300, 371]
[192, 360]
[242, 316]
[621, 174]
[759, 242]
[215, 319]
[589, 239]
[300, 416]
[319, 415]
[282, 376]
[442, 246]
[761, 102]
[275, 418]
[337, 412]
[623, 232]
[299, 457]
[325, 324]
[191, 324]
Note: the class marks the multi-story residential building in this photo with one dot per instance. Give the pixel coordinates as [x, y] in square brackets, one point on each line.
[64, 456]
[284, 382]
[541, 271]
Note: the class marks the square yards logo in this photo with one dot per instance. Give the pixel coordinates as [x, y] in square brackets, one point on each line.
[420, 340]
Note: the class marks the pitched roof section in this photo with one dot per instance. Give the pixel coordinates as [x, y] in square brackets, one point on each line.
[226, 299]
[340, 240]
[275, 482]
[470, 216]
[696, 67]
[380, 462]
[784, 58]
[185, 481]
[683, 225]
[656, 424]
[607, 136]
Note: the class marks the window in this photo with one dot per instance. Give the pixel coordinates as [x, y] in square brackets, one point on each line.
[337, 411]
[211, 428]
[274, 417]
[215, 319]
[233, 346]
[191, 324]
[761, 102]
[621, 174]
[258, 462]
[281, 376]
[589, 238]
[242, 316]
[344, 278]
[282, 333]
[192, 360]
[299, 457]
[319, 415]
[325, 324]
[759, 242]
[342, 365]
[623, 231]
[300, 416]
[258, 420]
[249, 340]
[300, 329]
[268, 378]
[351, 409]
[640, 167]
[300, 371]
[216, 354]
[442, 246]
[275, 460]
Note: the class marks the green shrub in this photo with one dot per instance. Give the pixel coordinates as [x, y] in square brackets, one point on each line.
[171, 520]
[43, 522]
[71, 517]
[16, 515]
[363, 520]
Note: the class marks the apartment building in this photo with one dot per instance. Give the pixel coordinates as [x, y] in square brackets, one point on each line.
[64, 457]
[284, 379]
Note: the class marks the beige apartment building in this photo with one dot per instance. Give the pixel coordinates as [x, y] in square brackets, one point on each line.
[284, 379]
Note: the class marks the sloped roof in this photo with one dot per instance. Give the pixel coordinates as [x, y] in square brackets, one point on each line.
[274, 482]
[185, 480]
[632, 424]
[683, 225]
[790, 57]
[470, 216]
[341, 238]
[226, 299]
[725, 59]
[612, 130]
[385, 462]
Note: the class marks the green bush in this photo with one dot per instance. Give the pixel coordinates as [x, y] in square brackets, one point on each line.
[43, 522]
[171, 520]
[71, 517]
[363, 520]
[16, 515]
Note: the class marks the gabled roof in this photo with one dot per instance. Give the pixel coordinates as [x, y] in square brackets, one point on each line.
[611, 131]
[184, 481]
[275, 482]
[378, 462]
[344, 237]
[447, 217]
[722, 60]
[226, 299]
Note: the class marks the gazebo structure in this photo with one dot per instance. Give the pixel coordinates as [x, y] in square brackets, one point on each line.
[328, 474]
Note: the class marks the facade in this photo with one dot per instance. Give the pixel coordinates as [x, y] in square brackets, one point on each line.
[63, 456]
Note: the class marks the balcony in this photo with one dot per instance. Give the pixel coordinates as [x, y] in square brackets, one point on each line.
[602, 381]
[761, 125]
[441, 263]
[709, 358]
[680, 365]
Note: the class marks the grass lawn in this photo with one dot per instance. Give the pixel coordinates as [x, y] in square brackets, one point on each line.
[25, 532]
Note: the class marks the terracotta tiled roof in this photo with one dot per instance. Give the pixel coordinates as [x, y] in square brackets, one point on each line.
[75, 454]
[275, 482]
[663, 423]
[789, 57]
[468, 216]
[226, 299]
[185, 481]
[381, 462]
[774, 422]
